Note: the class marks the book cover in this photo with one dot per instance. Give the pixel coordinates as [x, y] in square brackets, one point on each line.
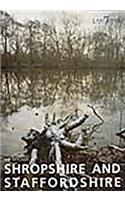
[62, 100]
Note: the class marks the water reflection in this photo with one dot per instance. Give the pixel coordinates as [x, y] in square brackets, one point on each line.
[64, 90]
[36, 87]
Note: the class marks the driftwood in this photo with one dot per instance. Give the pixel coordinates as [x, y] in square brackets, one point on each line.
[55, 133]
[54, 136]
[87, 132]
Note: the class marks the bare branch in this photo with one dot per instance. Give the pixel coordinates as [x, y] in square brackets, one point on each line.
[64, 122]
[116, 148]
[51, 152]
[95, 112]
[33, 156]
[95, 128]
[76, 123]
[120, 132]
[72, 145]
[58, 153]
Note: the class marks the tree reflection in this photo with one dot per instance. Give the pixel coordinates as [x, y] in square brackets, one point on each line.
[40, 87]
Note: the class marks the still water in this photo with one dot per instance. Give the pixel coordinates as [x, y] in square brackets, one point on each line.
[28, 94]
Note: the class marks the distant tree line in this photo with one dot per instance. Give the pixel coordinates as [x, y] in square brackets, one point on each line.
[51, 44]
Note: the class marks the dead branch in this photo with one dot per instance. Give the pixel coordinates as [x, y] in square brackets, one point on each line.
[76, 123]
[54, 118]
[33, 156]
[58, 154]
[64, 122]
[90, 130]
[116, 148]
[72, 145]
[55, 133]
[94, 128]
[95, 112]
[121, 134]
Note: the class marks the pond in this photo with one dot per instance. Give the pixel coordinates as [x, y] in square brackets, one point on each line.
[27, 95]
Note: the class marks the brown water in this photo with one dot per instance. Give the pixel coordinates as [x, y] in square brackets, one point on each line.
[28, 94]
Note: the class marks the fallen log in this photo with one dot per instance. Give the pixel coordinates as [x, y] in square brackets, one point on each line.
[54, 133]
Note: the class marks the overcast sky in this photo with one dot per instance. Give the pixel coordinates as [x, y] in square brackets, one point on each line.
[85, 16]
[24, 15]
